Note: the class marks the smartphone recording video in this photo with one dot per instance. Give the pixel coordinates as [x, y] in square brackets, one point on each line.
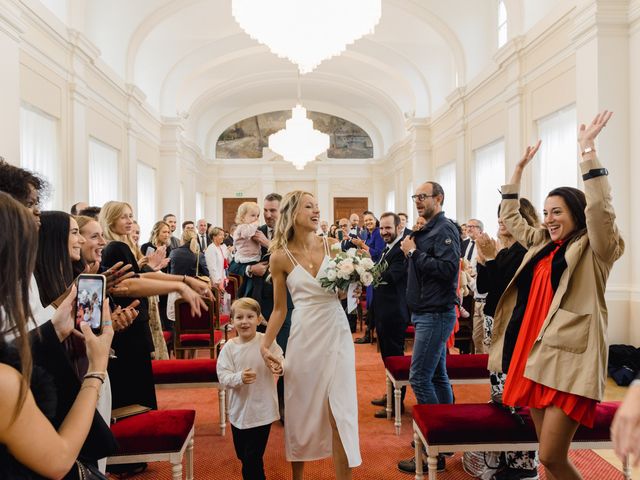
[91, 293]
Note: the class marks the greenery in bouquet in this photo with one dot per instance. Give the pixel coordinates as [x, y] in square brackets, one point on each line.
[352, 266]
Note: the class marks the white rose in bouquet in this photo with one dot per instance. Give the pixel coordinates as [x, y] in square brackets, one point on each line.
[366, 263]
[347, 267]
[360, 269]
[331, 274]
[366, 278]
[351, 252]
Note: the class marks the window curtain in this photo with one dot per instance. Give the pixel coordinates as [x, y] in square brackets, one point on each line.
[411, 206]
[146, 215]
[391, 201]
[199, 206]
[556, 164]
[103, 173]
[446, 177]
[39, 152]
[488, 178]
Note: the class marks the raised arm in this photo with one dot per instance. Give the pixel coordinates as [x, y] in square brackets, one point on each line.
[509, 208]
[602, 230]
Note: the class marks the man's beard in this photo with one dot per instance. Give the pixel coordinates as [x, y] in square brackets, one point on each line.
[392, 237]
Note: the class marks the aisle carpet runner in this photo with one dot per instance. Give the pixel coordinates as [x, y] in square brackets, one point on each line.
[381, 449]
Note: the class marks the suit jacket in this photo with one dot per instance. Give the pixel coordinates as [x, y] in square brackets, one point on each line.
[463, 246]
[389, 303]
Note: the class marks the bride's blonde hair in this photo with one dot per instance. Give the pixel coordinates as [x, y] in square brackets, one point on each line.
[284, 230]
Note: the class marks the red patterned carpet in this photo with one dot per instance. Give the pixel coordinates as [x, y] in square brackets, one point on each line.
[381, 448]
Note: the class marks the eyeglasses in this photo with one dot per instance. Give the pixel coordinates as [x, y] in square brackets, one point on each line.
[421, 196]
[343, 226]
[473, 226]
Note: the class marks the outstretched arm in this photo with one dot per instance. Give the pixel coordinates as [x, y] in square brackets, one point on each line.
[277, 266]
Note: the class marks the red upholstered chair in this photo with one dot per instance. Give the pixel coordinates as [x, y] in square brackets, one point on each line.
[192, 373]
[409, 335]
[156, 436]
[461, 369]
[193, 332]
[488, 428]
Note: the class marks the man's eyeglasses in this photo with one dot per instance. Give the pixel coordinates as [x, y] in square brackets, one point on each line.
[421, 196]
[343, 226]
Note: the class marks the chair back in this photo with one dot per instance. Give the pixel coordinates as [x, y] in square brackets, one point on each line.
[188, 323]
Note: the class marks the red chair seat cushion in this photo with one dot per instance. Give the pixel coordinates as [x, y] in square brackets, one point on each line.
[224, 319]
[199, 339]
[410, 331]
[167, 335]
[467, 366]
[487, 423]
[199, 370]
[458, 366]
[398, 366]
[153, 432]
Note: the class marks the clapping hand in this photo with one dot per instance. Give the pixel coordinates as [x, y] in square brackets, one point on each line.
[116, 274]
[123, 317]
[487, 248]
[625, 429]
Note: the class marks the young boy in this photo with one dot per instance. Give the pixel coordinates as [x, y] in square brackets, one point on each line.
[253, 401]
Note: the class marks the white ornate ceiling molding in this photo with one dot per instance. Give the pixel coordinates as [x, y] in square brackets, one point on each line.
[11, 22]
[596, 17]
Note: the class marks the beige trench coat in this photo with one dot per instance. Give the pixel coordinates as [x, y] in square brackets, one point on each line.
[570, 353]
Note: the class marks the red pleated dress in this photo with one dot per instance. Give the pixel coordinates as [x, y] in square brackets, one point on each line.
[523, 392]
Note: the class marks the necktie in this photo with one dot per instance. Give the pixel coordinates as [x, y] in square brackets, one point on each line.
[270, 233]
[203, 243]
[470, 248]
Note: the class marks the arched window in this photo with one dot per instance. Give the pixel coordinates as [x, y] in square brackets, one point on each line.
[502, 23]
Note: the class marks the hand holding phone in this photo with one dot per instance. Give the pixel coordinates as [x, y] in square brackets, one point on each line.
[90, 300]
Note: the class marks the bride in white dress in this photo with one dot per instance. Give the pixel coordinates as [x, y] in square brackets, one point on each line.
[321, 407]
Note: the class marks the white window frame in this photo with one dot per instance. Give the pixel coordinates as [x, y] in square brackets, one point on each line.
[488, 177]
[556, 164]
[502, 23]
[40, 151]
[446, 177]
[104, 173]
[146, 214]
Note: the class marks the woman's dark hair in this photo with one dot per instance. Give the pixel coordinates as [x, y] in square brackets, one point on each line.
[369, 212]
[16, 181]
[54, 270]
[576, 203]
[18, 246]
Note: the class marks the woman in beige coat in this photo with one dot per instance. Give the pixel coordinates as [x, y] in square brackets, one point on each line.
[550, 325]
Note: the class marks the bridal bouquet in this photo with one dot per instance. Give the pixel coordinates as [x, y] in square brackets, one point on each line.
[351, 268]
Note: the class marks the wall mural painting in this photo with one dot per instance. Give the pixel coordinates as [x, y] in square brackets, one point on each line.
[247, 138]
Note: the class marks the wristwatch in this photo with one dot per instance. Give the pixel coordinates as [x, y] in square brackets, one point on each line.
[595, 172]
[410, 253]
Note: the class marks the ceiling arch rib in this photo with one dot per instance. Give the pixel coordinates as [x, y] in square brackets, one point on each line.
[275, 105]
[227, 102]
[407, 76]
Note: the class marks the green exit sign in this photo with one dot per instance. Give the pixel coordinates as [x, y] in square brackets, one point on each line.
[239, 194]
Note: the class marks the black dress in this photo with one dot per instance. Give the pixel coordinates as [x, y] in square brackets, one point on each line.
[130, 373]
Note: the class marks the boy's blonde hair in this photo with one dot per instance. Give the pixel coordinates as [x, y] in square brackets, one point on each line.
[245, 303]
[244, 208]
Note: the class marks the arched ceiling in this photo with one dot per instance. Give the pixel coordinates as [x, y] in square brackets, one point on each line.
[191, 59]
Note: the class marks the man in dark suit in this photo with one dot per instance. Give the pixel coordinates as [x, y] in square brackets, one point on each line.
[389, 304]
[203, 238]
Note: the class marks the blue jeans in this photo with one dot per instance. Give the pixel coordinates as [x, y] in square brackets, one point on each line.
[428, 374]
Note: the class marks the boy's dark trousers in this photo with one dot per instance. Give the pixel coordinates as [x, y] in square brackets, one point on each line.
[250, 445]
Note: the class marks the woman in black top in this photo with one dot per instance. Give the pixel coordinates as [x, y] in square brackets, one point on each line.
[130, 373]
[495, 270]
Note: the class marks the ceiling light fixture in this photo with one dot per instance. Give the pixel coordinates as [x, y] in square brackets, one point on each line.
[307, 31]
[298, 142]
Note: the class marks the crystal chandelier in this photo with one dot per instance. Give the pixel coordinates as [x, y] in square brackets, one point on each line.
[307, 31]
[298, 142]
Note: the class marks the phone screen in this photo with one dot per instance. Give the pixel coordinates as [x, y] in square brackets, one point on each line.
[89, 302]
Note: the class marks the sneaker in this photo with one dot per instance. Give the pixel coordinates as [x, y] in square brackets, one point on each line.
[516, 474]
[409, 466]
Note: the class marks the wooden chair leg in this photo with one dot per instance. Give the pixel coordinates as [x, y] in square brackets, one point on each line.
[176, 471]
[397, 400]
[432, 461]
[388, 408]
[190, 460]
[418, 456]
[626, 469]
[222, 408]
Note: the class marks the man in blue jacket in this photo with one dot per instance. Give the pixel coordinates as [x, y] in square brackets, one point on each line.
[433, 255]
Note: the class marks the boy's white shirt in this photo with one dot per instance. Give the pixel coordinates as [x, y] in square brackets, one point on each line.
[255, 404]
